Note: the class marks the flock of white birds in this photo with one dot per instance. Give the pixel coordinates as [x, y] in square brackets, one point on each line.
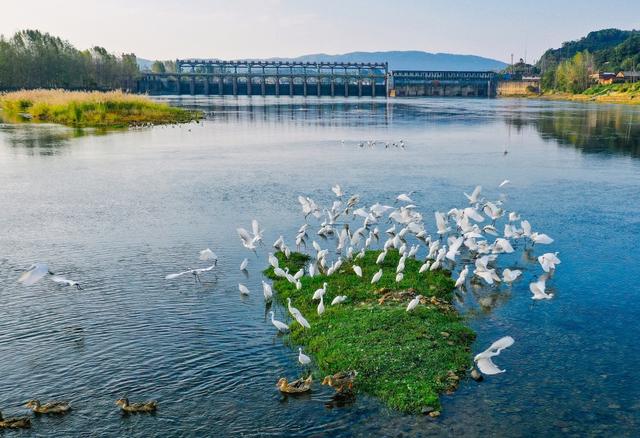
[467, 238]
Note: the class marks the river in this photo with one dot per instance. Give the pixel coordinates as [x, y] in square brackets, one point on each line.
[121, 210]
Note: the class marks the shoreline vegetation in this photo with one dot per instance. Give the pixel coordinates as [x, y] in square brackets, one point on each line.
[626, 94]
[406, 359]
[78, 109]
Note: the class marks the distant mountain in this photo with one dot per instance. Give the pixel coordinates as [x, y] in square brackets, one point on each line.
[398, 60]
[412, 60]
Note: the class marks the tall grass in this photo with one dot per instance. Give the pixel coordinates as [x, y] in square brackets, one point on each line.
[83, 109]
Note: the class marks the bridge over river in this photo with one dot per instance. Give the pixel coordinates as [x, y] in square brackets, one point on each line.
[292, 78]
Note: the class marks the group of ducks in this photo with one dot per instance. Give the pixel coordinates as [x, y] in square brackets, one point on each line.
[342, 382]
[460, 236]
[63, 407]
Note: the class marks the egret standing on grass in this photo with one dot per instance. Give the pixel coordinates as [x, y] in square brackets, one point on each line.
[297, 315]
[413, 303]
[376, 277]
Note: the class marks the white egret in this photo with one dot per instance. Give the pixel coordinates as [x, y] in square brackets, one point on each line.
[273, 260]
[34, 274]
[281, 326]
[413, 303]
[540, 238]
[244, 290]
[207, 254]
[320, 292]
[504, 183]
[548, 261]
[376, 277]
[244, 264]
[463, 276]
[381, 257]
[358, 270]
[247, 240]
[425, 267]
[195, 272]
[267, 291]
[404, 197]
[509, 276]
[303, 358]
[297, 315]
[474, 197]
[399, 277]
[483, 360]
[537, 288]
[321, 305]
[337, 190]
[339, 299]
[65, 282]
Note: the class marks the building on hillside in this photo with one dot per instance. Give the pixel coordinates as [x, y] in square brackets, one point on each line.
[604, 78]
[628, 76]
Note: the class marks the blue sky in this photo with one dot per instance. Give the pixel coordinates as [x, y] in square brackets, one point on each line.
[163, 29]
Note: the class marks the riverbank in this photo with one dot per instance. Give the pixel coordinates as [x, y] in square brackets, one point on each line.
[404, 358]
[113, 109]
[628, 94]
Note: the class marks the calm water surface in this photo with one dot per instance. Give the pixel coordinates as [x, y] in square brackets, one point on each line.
[120, 211]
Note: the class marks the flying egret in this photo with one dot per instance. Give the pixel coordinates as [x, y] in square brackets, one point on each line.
[244, 264]
[297, 315]
[337, 190]
[303, 358]
[243, 289]
[474, 197]
[207, 254]
[548, 261]
[65, 282]
[509, 276]
[376, 277]
[34, 274]
[247, 240]
[537, 288]
[281, 326]
[195, 272]
[413, 303]
[483, 360]
[504, 183]
[358, 270]
[540, 238]
[338, 300]
[404, 197]
[267, 291]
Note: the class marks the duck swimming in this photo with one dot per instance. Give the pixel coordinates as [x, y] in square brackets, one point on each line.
[48, 408]
[14, 423]
[295, 387]
[149, 406]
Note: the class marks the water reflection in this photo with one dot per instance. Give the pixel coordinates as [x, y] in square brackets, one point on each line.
[601, 129]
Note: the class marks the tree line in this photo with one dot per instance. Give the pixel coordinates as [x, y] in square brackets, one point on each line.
[32, 59]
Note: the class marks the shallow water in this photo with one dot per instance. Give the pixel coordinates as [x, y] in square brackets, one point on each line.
[120, 211]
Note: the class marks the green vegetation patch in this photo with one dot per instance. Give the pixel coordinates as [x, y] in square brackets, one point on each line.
[405, 358]
[91, 109]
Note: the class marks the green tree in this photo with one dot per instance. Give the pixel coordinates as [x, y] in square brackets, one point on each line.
[158, 67]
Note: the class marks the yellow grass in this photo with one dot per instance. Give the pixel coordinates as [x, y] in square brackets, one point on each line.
[94, 108]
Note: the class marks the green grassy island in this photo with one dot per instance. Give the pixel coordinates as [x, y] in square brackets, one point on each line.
[113, 109]
[404, 358]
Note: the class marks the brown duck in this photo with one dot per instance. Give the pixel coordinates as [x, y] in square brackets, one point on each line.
[14, 423]
[342, 381]
[49, 408]
[295, 387]
[149, 406]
